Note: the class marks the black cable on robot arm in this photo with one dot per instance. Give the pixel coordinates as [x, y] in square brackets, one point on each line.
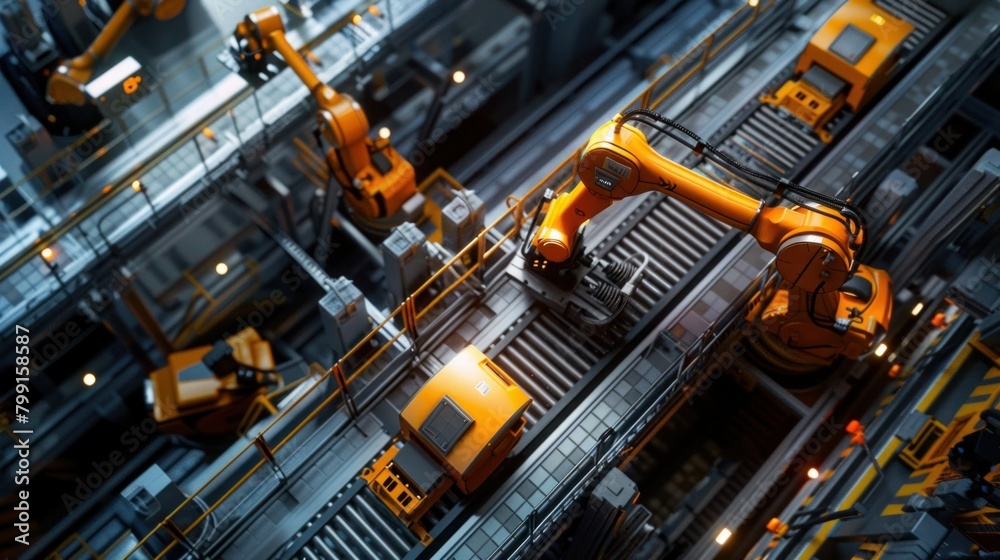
[745, 173]
[849, 210]
[766, 185]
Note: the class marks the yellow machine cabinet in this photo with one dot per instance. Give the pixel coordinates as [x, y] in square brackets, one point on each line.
[456, 430]
[187, 397]
[846, 62]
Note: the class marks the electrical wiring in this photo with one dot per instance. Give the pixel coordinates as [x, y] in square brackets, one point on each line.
[852, 216]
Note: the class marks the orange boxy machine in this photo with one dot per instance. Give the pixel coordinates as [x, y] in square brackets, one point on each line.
[376, 179]
[827, 304]
[846, 63]
[456, 430]
[66, 85]
[207, 390]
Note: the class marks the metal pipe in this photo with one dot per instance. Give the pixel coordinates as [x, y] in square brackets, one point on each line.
[352, 231]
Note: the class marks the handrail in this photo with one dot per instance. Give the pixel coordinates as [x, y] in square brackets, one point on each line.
[90, 133]
[635, 420]
[97, 201]
[513, 211]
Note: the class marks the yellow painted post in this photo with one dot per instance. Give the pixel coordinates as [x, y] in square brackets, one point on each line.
[179, 536]
[481, 258]
[338, 374]
[410, 317]
[268, 454]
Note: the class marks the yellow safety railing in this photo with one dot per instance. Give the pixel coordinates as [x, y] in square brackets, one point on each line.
[507, 225]
[85, 550]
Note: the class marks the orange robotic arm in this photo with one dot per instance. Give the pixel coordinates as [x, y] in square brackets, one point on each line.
[66, 85]
[832, 310]
[377, 180]
[814, 249]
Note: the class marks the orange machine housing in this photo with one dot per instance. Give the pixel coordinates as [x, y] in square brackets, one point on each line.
[791, 338]
[846, 63]
[207, 404]
[826, 305]
[456, 430]
[66, 85]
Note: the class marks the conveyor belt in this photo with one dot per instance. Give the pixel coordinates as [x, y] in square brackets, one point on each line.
[924, 17]
[675, 238]
[772, 141]
[356, 526]
[362, 530]
[543, 341]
